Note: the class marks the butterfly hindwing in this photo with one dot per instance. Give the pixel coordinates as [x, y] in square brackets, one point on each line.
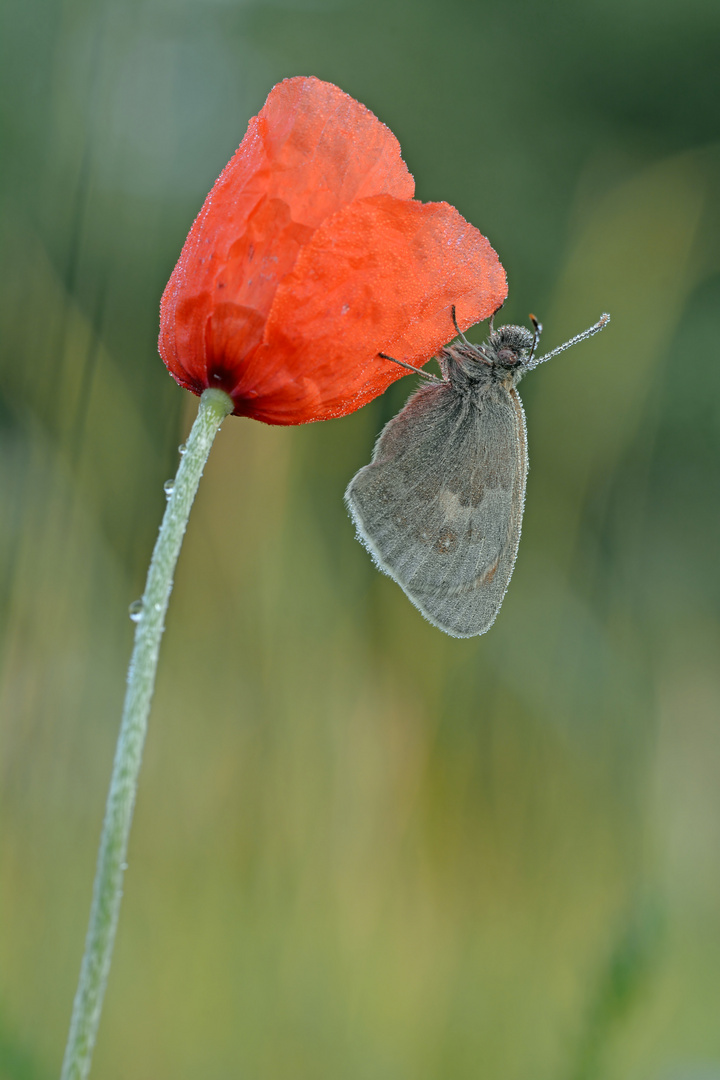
[439, 507]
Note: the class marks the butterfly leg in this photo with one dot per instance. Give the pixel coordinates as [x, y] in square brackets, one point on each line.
[491, 324]
[457, 328]
[416, 371]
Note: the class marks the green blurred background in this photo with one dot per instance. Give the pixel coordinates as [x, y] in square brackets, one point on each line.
[364, 850]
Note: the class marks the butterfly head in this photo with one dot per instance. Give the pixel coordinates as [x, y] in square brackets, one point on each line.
[509, 347]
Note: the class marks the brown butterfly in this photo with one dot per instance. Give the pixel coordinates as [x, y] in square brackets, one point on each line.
[440, 505]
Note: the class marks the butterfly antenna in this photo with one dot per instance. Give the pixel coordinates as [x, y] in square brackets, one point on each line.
[458, 330]
[536, 335]
[416, 371]
[591, 330]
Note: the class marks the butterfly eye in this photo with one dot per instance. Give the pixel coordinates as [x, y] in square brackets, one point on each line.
[508, 357]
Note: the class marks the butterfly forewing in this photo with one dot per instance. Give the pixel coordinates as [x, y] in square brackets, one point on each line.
[439, 507]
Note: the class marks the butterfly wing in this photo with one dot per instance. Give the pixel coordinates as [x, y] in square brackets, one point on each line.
[440, 505]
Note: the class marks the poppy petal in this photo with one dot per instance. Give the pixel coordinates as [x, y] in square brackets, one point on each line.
[326, 150]
[311, 150]
[381, 275]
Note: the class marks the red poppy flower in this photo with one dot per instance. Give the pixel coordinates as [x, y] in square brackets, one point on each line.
[310, 257]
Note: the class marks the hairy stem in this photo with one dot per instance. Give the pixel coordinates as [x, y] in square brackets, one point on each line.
[107, 889]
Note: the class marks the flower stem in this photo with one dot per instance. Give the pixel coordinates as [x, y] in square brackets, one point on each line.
[107, 889]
